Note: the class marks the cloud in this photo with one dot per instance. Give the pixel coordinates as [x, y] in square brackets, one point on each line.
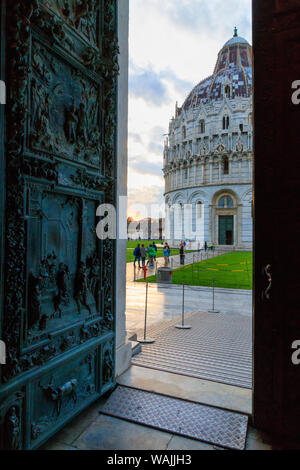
[148, 85]
[156, 148]
[180, 85]
[135, 137]
[148, 198]
[154, 87]
[145, 167]
[208, 16]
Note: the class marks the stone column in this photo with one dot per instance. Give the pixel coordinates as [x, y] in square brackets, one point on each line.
[210, 171]
[250, 169]
[168, 223]
[123, 347]
[230, 167]
[239, 220]
[202, 172]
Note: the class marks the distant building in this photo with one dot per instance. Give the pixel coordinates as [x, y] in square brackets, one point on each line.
[146, 229]
[208, 156]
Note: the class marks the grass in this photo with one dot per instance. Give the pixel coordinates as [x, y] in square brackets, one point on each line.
[231, 271]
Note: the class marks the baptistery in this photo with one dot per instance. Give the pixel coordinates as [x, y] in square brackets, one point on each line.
[208, 156]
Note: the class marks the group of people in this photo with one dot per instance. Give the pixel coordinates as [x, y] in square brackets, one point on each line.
[141, 253]
[147, 256]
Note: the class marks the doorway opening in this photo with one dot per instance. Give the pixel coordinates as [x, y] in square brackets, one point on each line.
[206, 151]
[226, 230]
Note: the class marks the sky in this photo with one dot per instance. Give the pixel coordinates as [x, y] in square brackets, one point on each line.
[173, 45]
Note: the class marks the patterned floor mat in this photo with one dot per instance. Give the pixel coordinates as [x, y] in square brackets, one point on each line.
[204, 423]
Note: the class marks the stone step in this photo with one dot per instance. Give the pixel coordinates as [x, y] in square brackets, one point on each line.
[136, 348]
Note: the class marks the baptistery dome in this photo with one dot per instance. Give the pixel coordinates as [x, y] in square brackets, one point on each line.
[208, 155]
[234, 66]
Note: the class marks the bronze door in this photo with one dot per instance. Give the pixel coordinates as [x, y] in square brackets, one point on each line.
[58, 316]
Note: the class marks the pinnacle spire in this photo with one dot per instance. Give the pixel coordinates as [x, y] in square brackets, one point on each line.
[235, 32]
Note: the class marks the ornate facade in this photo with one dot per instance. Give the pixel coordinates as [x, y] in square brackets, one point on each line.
[208, 156]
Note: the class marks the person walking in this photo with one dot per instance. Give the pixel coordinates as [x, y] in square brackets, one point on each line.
[155, 248]
[137, 255]
[143, 255]
[205, 246]
[151, 254]
[169, 252]
[181, 252]
[166, 255]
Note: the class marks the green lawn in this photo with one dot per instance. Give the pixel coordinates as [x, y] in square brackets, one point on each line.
[231, 271]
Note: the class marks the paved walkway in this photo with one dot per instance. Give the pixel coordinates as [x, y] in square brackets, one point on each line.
[218, 347]
[165, 302]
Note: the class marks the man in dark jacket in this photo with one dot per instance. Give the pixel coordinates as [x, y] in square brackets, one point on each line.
[137, 255]
[181, 252]
[155, 248]
[143, 255]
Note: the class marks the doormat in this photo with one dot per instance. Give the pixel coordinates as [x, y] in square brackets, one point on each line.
[204, 423]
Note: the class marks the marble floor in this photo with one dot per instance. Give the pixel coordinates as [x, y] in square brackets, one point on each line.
[93, 431]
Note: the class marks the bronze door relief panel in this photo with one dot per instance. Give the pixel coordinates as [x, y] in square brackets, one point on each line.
[58, 318]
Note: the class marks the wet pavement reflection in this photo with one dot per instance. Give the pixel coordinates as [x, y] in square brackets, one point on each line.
[165, 302]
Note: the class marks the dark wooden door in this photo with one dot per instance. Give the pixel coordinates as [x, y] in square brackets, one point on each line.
[276, 47]
[225, 229]
[58, 315]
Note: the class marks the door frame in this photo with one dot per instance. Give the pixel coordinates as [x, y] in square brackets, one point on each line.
[276, 325]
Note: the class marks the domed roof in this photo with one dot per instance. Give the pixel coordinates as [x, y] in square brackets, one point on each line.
[233, 68]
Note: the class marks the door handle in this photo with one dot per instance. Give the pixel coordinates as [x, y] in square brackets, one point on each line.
[267, 273]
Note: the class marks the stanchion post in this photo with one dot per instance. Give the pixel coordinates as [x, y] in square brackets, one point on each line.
[247, 272]
[183, 326]
[146, 340]
[193, 270]
[213, 310]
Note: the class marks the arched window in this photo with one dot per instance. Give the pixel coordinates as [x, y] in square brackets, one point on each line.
[225, 166]
[226, 202]
[184, 132]
[202, 126]
[227, 91]
[226, 122]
